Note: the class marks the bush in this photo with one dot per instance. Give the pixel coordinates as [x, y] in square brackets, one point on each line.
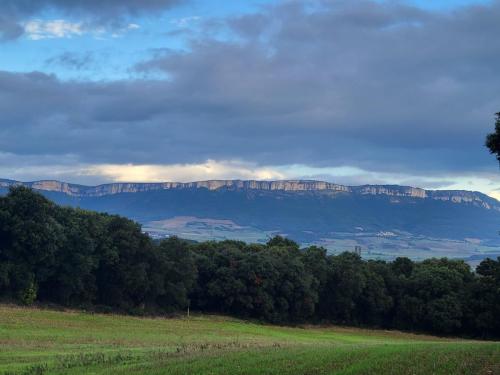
[28, 296]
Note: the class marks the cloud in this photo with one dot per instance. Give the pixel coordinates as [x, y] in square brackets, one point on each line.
[95, 8]
[110, 13]
[184, 21]
[382, 87]
[210, 170]
[68, 168]
[365, 77]
[9, 29]
[494, 194]
[37, 29]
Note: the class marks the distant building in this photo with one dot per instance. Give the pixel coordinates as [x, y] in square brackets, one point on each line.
[357, 250]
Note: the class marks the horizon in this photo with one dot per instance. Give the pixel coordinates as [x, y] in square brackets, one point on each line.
[233, 180]
[366, 92]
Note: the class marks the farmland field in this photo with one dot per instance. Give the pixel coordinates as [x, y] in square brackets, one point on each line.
[38, 341]
[375, 245]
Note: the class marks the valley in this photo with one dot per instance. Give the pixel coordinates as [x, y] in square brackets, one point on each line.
[382, 245]
[387, 221]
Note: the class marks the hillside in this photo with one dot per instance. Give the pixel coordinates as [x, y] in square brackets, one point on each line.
[54, 342]
[380, 218]
[74, 190]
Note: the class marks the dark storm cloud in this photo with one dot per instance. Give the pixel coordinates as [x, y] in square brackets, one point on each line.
[378, 86]
[109, 12]
[9, 29]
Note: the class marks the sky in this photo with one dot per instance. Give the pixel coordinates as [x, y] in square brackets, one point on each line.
[348, 91]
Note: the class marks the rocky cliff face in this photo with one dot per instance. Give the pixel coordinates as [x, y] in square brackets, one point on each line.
[455, 196]
[391, 190]
[115, 188]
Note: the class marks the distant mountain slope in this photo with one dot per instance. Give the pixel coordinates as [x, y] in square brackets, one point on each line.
[305, 210]
[74, 190]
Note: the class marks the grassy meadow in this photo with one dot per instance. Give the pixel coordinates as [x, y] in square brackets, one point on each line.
[39, 341]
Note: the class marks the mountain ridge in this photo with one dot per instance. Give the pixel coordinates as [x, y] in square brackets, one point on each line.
[385, 220]
[77, 190]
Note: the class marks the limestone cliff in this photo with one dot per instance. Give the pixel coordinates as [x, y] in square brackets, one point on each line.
[455, 196]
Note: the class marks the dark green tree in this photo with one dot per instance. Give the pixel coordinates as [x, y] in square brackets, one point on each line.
[73, 281]
[125, 263]
[173, 274]
[483, 307]
[493, 139]
[434, 298]
[30, 240]
[344, 286]
[280, 241]
[375, 302]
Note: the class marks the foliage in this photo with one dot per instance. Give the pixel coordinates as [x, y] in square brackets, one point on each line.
[493, 139]
[28, 295]
[79, 258]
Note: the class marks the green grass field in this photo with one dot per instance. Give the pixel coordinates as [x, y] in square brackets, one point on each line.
[34, 341]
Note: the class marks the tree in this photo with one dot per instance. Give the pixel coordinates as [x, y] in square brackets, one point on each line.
[280, 241]
[123, 275]
[73, 280]
[173, 274]
[31, 238]
[345, 283]
[493, 139]
[484, 300]
[435, 296]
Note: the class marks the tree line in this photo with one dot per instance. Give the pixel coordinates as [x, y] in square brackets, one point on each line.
[77, 258]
